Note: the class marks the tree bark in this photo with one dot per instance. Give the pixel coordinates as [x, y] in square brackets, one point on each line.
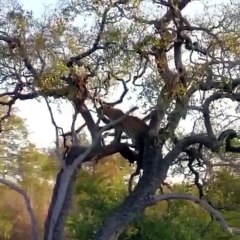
[155, 171]
[54, 225]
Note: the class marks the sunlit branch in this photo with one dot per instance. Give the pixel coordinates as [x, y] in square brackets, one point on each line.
[23, 193]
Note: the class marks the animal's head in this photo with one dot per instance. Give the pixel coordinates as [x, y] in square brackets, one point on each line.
[110, 112]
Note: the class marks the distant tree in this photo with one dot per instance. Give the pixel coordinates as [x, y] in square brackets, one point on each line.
[23, 166]
[14, 139]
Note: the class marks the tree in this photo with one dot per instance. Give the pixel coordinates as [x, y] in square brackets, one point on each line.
[58, 58]
[101, 188]
[29, 172]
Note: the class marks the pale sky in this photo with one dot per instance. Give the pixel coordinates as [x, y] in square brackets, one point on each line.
[36, 114]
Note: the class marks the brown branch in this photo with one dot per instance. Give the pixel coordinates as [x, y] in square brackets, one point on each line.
[65, 183]
[123, 94]
[86, 115]
[95, 44]
[57, 128]
[13, 43]
[78, 130]
[206, 111]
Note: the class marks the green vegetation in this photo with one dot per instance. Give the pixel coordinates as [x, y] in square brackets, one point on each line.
[100, 189]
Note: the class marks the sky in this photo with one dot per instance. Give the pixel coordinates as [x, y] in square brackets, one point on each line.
[35, 113]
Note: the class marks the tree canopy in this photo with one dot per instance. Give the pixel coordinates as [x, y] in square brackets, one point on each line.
[107, 59]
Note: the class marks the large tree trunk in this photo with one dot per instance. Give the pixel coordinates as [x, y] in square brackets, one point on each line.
[60, 205]
[155, 171]
[65, 182]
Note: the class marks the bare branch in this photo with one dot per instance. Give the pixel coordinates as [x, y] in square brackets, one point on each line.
[95, 45]
[206, 111]
[56, 129]
[21, 191]
[65, 181]
[181, 196]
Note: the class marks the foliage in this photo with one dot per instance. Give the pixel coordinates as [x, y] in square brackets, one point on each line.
[98, 194]
[32, 169]
[185, 72]
[13, 141]
[99, 190]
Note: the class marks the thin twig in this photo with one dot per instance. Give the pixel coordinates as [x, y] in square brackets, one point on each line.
[56, 129]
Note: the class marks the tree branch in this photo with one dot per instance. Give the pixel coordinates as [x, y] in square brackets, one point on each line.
[181, 196]
[63, 189]
[21, 191]
[206, 111]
